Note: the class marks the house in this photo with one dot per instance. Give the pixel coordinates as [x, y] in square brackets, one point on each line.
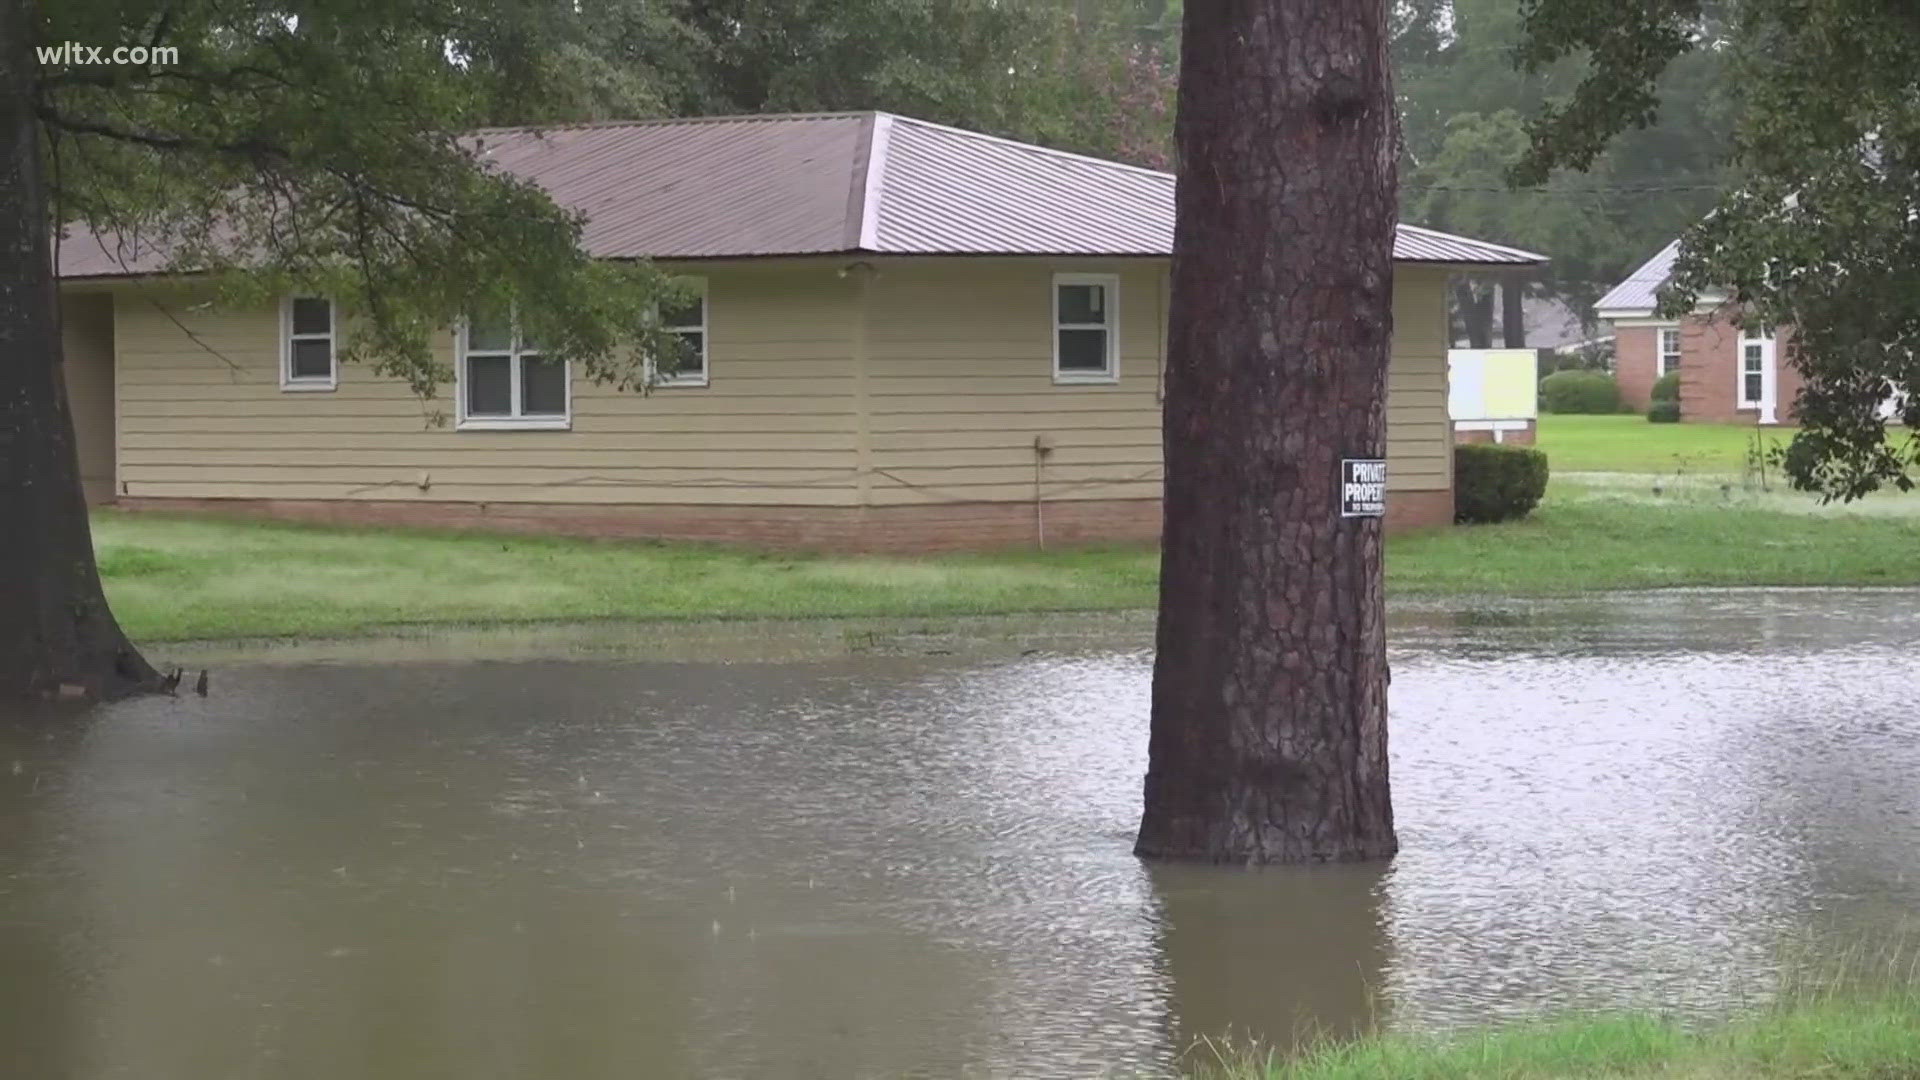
[1728, 374]
[909, 337]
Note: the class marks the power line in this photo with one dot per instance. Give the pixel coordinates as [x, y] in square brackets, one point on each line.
[1620, 189]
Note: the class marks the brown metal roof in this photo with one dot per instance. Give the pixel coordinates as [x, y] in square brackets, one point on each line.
[832, 183]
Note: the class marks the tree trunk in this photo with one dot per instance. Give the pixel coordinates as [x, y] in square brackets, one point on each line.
[57, 636]
[1513, 315]
[1475, 310]
[1269, 735]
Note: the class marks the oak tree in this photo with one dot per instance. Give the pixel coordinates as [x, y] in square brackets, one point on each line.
[315, 146]
[1822, 231]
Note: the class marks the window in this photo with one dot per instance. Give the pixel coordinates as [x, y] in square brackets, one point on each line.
[1086, 340]
[307, 359]
[1753, 373]
[505, 382]
[687, 320]
[1669, 350]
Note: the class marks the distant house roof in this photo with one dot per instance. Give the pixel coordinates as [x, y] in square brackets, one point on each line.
[832, 183]
[1639, 294]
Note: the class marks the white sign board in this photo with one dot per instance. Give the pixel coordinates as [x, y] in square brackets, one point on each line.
[1363, 487]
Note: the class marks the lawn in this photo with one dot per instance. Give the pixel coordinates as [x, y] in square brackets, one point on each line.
[1840, 1038]
[179, 578]
[1629, 444]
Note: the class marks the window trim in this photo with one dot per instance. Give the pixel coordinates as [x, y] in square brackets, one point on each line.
[309, 384]
[1112, 327]
[516, 353]
[1661, 370]
[1766, 345]
[705, 377]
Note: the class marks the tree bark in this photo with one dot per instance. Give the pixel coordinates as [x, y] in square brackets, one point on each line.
[1269, 734]
[57, 636]
[1474, 309]
[1513, 315]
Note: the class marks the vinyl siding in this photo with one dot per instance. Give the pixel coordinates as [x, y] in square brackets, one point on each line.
[86, 325]
[935, 394]
[203, 415]
[960, 378]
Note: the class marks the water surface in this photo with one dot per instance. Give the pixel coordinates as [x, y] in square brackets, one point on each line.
[886, 864]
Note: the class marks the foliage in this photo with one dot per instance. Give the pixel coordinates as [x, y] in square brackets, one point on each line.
[1579, 392]
[1666, 387]
[1494, 482]
[1465, 107]
[1664, 411]
[326, 150]
[1592, 356]
[1821, 235]
[323, 151]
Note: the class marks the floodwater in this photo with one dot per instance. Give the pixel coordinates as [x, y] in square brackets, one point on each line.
[897, 865]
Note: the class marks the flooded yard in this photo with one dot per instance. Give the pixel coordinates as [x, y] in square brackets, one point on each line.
[914, 860]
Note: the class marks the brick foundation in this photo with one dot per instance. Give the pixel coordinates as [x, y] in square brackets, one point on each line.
[897, 529]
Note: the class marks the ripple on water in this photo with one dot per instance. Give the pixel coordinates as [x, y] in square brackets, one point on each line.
[896, 867]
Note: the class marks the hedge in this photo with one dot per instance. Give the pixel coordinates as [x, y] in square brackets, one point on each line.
[1579, 392]
[1494, 482]
[1667, 387]
[1664, 412]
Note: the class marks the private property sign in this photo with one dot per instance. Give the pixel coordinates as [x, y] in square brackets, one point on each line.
[1363, 487]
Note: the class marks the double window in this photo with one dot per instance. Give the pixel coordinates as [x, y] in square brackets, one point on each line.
[307, 352]
[1086, 328]
[504, 380]
[1669, 350]
[686, 321]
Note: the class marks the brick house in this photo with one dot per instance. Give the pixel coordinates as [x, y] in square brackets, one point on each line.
[1728, 375]
[907, 337]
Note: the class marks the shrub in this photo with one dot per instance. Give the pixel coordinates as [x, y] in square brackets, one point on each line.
[1492, 482]
[1667, 387]
[1664, 412]
[1579, 392]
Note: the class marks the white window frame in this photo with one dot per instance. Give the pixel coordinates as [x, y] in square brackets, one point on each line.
[309, 383]
[704, 377]
[1765, 344]
[1661, 368]
[516, 354]
[1111, 282]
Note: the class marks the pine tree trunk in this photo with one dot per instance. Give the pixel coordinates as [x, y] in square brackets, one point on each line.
[1475, 308]
[57, 636]
[1513, 315]
[1269, 735]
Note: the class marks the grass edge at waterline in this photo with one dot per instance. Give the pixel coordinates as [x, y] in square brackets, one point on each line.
[1831, 1035]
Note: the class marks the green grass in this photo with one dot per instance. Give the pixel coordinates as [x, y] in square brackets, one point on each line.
[1629, 444]
[173, 578]
[1597, 538]
[1868, 1037]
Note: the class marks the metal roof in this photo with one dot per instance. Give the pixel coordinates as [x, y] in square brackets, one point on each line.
[834, 183]
[1639, 294]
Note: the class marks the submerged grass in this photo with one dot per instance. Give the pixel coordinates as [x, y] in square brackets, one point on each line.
[173, 578]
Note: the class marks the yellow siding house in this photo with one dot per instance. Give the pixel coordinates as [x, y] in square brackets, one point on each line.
[909, 337]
